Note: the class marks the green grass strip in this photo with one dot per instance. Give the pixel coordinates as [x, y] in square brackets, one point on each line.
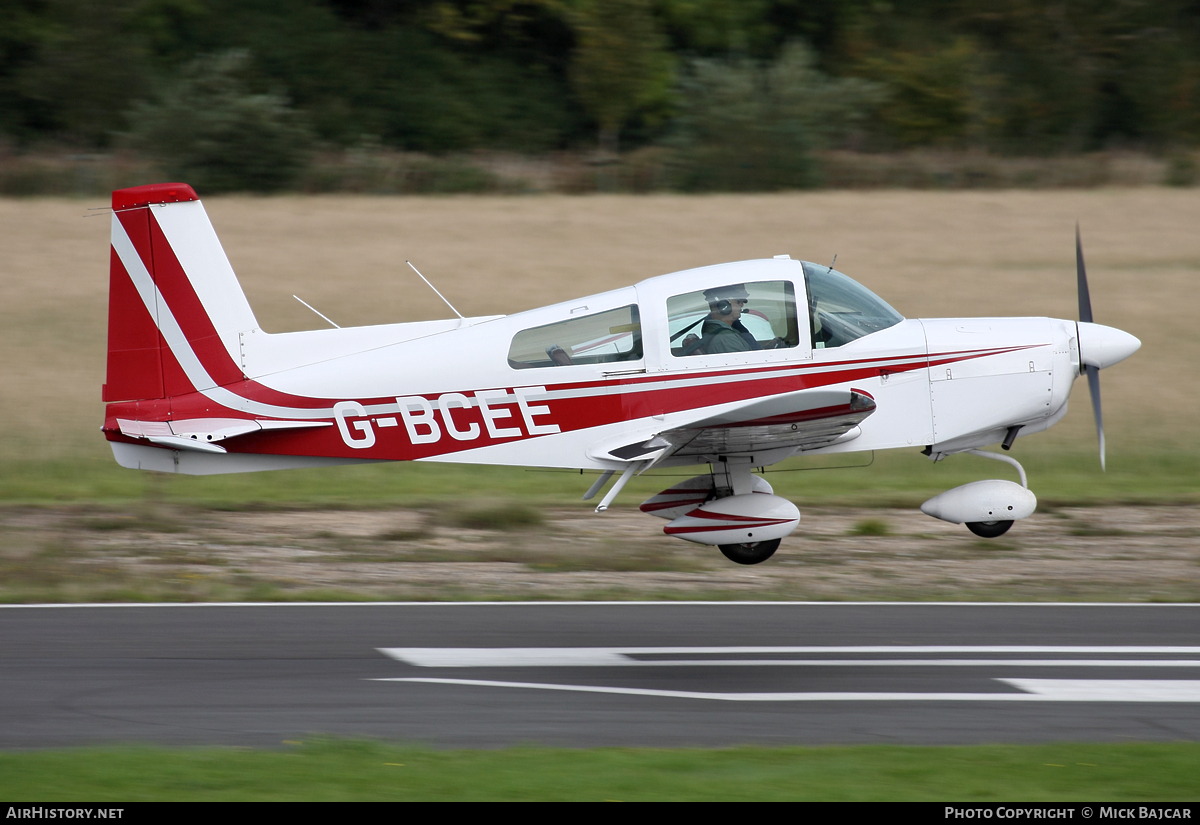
[333, 769]
[894, 478]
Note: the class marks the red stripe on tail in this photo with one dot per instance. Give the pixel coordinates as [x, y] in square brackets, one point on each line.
[179, 294]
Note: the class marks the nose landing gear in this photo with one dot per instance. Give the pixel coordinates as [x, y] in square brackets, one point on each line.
[989, 529]
[983, 505]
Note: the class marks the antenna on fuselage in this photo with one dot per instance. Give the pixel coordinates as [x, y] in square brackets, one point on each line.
[434, 288]
[834, 261]
[314, 309]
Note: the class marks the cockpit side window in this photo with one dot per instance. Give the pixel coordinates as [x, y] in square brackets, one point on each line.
[614, 335]
[843, 310]
[733, 318]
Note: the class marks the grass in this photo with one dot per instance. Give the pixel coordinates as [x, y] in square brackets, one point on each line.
[871, 527]
[379, 171]
[896, 478]
[930, 254]
[497, 517]
[365, 770]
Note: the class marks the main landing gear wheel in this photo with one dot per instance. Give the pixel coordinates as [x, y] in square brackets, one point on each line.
[752, 553]
[989, 529]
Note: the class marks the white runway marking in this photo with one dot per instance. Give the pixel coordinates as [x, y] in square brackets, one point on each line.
[1030, 690]
[1039, 690]
[624, 656]
[1110, 690]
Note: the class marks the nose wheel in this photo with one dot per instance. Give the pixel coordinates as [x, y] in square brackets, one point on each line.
[989, 529]
[753, 552]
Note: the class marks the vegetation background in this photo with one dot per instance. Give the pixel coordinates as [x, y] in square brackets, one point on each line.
[930, 254]
[692, 95]
[370, 97]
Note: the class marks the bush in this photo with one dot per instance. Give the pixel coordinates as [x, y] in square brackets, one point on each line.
[871, 527]
[1182, 170]
[211, 130]
[933, 97]
[371, 169]
[498, 517]
[746, 126]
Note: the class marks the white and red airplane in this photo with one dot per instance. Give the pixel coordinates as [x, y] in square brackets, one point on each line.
[736, 366]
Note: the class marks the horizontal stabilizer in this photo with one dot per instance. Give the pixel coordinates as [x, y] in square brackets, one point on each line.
[202, 434]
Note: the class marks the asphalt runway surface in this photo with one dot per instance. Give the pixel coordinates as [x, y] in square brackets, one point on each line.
[599, 674]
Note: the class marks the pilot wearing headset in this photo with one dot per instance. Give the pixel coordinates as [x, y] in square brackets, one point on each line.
[723, 330]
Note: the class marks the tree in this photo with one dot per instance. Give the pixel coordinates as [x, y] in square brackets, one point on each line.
[68, 69]
[620, 64]
[750, 126]
[211, 130]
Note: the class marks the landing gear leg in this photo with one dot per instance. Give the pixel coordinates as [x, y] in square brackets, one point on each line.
[994, 529]
[734, 476]
[1007, 459]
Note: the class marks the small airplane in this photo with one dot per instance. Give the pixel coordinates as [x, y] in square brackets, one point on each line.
[736, 366]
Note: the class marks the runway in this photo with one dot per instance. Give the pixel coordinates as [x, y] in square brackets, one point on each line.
[599, 674]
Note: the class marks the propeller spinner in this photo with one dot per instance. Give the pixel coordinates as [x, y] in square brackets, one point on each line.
[1099, 346]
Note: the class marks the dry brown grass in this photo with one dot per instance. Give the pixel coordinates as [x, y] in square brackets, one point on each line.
[928, 253]
[174, 553]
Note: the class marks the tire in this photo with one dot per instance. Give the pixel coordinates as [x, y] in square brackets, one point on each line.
[755, 552]
[989, 529]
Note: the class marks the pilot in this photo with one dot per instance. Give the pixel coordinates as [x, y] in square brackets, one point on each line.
[723, 330]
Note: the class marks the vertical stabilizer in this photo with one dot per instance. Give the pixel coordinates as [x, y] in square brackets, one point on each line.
[175, 309]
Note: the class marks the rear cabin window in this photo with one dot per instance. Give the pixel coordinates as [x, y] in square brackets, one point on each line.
[601, 338]
[733, 318]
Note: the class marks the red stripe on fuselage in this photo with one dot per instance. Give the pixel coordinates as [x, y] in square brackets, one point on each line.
[644, 396]
[193, 319]
[570, 414]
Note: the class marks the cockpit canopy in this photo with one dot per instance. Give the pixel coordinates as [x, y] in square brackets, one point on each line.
[841, 309]
[738, 313]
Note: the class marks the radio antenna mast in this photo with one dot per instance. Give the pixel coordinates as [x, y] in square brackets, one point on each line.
[434, 288]
[314, 309]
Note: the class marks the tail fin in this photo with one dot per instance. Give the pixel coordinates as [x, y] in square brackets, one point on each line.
[175, 309]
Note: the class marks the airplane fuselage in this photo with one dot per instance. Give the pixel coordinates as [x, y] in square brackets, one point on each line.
[733, 366]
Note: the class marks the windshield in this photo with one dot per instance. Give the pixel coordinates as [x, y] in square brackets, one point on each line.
[843, 310]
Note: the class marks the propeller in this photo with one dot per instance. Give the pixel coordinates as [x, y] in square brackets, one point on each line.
[1085, 316]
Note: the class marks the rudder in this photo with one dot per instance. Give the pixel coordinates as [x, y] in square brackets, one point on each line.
[176, 310]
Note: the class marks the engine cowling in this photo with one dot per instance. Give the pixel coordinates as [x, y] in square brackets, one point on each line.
[990, 500]
[741, 519]
[686, 496]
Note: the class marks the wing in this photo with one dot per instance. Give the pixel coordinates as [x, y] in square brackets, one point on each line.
[804, 420]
